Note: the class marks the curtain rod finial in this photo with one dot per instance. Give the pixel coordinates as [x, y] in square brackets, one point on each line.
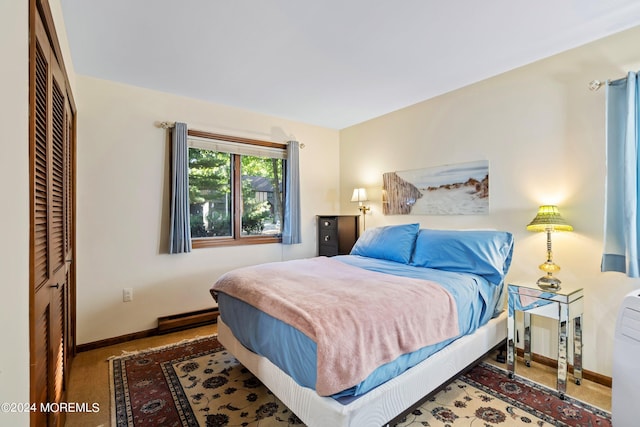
[164, 125]
[595, 85]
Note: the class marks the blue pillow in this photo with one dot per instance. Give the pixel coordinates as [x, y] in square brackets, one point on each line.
[485, 253]
[392, 242]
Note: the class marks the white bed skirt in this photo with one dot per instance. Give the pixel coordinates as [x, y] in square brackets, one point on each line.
[382, 404]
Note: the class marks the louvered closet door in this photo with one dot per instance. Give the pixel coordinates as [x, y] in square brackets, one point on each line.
[52, 160]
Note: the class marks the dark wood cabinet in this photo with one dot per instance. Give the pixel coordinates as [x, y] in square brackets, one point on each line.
[337, 234]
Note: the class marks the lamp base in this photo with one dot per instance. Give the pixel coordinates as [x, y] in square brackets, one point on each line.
[364, 210]
[549, 282]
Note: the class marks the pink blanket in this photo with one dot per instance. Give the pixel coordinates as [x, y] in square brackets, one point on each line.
[359, 319]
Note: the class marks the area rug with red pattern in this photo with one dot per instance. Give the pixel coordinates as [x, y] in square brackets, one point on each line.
[198, 383]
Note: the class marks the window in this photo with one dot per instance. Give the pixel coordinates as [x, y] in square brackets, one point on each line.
[236, 189]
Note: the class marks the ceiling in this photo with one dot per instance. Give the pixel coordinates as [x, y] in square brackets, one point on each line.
[332, 63]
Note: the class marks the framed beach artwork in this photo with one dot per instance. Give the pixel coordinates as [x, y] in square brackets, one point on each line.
[458, 189]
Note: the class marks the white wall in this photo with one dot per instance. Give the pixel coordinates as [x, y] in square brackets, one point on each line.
[542, 131]
[123, 197]
[14, 216]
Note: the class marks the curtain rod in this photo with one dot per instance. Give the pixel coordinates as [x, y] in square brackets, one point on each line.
[171, 125]
[594, 85]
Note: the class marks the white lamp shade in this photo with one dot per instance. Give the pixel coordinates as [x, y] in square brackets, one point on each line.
[359, 195]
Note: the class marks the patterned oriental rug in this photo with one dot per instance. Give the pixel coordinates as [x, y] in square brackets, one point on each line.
[198, 383]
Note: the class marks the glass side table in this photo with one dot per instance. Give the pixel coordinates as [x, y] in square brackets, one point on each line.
[565, 306]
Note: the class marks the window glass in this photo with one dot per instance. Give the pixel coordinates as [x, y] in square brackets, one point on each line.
[261, 195]
[210, 196]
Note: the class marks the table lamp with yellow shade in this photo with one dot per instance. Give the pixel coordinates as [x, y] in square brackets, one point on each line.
[548, 219]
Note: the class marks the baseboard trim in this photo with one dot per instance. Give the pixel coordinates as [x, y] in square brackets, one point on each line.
[192, 319]
[115, 340]
[587, 375]
[166, 324]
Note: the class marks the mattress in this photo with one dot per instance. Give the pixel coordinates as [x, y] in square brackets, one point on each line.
[295, 353]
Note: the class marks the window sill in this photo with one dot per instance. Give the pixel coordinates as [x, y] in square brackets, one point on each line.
[252, 240]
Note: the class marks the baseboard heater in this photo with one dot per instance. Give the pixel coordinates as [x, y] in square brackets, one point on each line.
[177, 322]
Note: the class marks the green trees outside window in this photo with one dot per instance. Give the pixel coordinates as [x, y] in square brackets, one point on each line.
[234, 195]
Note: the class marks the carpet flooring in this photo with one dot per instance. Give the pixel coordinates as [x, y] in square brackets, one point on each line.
[198, 383]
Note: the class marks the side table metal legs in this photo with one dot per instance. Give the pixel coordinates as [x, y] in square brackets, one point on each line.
[562, 355]
[564, 306]
[511, 346]
[527, 338]
[577, 349]
[563, 365]
[563, 325]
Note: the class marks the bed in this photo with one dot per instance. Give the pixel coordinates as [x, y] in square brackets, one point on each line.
[356, 340]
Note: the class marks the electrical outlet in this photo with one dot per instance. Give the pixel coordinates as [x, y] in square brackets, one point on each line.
[127, 294]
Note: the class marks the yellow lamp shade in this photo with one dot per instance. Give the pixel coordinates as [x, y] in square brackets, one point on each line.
[549, 218]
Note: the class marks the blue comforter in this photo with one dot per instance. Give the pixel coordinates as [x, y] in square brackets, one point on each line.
[477, 301]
